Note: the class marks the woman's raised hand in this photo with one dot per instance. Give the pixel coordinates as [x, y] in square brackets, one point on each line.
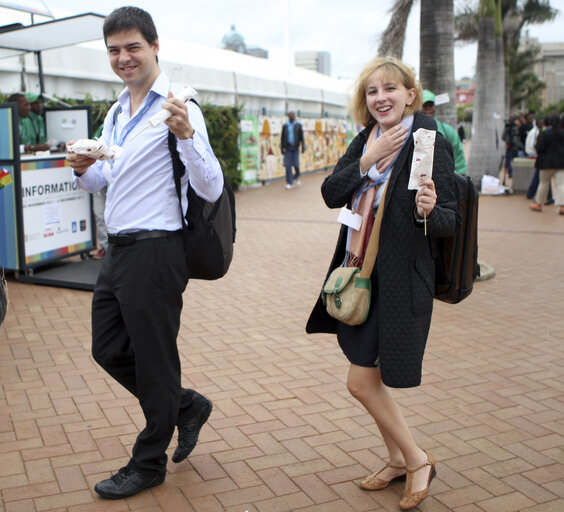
[385, 145]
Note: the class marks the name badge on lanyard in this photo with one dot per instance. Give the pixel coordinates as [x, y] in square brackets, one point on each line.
[108, 168]
[349, 218]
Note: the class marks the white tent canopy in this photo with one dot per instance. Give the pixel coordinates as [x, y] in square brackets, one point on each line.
[53, 34]
[220, 76]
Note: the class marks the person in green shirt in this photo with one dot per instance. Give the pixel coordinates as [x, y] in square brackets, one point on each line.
[28, 135]
[447, 131]
[36, 116]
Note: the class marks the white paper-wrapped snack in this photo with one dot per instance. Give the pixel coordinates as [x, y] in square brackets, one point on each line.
[94, 149]
[422, 163]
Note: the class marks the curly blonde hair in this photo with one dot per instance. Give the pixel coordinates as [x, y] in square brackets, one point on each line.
[393, 69]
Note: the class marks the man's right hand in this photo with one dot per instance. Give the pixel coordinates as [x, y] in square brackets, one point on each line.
[79, 163]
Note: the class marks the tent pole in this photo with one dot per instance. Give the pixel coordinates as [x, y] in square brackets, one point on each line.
[39, 64]
[40, 68]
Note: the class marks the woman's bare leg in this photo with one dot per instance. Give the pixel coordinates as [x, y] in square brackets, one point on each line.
[366, 385]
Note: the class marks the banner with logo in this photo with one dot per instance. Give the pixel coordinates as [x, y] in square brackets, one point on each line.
[56, 213]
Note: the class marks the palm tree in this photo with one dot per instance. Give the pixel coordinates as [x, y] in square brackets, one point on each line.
[436, 54]
[436, 62]
[392, 39]
[525, 86]
[487, 121]
[515, 16]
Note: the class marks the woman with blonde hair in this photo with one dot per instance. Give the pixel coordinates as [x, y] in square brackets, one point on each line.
[386, 351]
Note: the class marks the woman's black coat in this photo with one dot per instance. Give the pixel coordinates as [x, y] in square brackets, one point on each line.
[405, 265]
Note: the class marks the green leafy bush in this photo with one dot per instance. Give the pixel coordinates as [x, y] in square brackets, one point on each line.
[223, 124]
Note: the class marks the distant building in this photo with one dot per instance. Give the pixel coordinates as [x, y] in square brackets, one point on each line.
[550, 70]
[465, 89]
[235, 42]
[257, 51]
[314, 61]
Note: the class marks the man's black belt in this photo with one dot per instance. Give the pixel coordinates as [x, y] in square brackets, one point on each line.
[135, 236]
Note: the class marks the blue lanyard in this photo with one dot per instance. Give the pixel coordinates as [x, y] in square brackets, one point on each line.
[133, 122]
[384, 176]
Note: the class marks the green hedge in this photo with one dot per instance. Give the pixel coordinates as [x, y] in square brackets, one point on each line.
[224, 128]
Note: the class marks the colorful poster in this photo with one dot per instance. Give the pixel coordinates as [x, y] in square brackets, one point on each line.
[56, 213]
[271, 164]
[249, 149]
[326, 140]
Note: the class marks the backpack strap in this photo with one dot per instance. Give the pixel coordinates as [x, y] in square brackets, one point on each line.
[178, 168]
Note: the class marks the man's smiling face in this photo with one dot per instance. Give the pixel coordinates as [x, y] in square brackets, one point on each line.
[132, 58]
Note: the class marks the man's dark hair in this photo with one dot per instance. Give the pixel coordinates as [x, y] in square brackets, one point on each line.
[130, 18]
[15, 97]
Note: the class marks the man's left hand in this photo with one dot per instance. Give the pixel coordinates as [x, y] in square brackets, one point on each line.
[178, 122]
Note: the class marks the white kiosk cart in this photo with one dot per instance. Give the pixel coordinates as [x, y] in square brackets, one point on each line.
[44, 218]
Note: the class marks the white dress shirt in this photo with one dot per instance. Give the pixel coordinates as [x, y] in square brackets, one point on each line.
[531, 140]
[141, 193]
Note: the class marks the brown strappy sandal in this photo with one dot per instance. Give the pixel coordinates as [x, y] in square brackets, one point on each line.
[373, 483]
[410, 499]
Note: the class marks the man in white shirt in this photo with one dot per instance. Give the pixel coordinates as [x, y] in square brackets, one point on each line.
[138, 296]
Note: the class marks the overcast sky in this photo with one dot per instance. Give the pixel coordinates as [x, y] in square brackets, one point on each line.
[348, 29]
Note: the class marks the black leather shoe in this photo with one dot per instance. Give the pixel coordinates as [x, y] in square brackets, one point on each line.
[189, 431]
[126, 482]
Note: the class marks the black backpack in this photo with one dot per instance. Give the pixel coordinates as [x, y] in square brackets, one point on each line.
[456, 263]
[209, 228]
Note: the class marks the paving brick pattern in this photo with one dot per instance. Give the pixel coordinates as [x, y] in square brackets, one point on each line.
[284, 434]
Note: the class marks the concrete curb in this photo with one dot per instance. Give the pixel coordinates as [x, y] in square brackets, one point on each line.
[486, 272]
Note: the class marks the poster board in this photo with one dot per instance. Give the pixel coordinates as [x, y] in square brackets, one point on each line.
[10, 250]
[57, 214]
[44, 216]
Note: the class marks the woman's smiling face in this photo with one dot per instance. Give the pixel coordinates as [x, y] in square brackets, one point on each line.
[386, 99]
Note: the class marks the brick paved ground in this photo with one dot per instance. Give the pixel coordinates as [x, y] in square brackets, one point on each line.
[284, 434]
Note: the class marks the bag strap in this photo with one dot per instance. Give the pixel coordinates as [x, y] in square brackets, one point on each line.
[374, 241]
[178, 171]
[178, 168]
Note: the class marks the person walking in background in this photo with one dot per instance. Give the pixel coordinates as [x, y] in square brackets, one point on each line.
[137, 299]
[531, 150]
[550, 149]
[292, 137]
[387, 350]
[447, 131]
